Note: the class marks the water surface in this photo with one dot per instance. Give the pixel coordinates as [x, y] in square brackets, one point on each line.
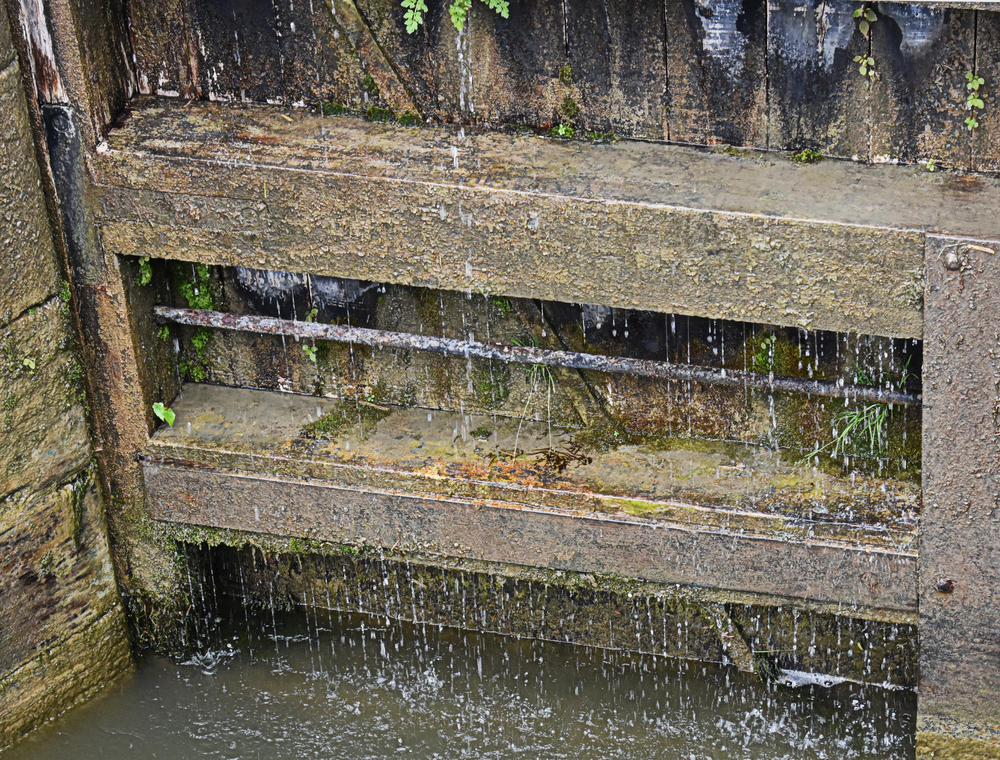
[317, 684]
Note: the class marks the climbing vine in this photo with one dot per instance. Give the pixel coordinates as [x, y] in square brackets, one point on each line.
[458, 10]
[973, 100]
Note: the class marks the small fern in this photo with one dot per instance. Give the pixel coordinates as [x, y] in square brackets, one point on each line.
[458, 10]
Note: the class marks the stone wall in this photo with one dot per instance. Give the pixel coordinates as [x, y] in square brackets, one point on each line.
[62, 631]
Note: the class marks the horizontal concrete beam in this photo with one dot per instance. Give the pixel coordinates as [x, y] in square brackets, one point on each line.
[835, 246]
[494, 531]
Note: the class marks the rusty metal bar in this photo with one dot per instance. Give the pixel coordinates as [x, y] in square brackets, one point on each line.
[529, 355]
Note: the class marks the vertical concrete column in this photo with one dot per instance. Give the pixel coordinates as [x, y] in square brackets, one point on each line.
[62, 629]
[959, 708]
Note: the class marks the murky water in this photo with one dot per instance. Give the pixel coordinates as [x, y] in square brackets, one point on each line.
[324, 685]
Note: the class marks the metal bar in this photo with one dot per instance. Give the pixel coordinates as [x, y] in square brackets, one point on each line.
[529, 355]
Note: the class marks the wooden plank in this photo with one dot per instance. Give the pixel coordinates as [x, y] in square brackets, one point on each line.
[716, 71]
[495, 532]
[633, 225]
[427, 61]
[514, 64]
[817, 98]
[959, 561]
[617, 75]
[921, 55]
[986, 139]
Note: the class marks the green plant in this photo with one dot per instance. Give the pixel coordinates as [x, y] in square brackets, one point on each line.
[164, 412]
[763, 358]
[930, 165]
[481, 433]
[503, 305]
[973, 100]
[64, 292]
[163, 333]
[310, 352]
[867, 65]
[865, 425]
[807, 156]
[458, 10]
[409, 120]
[145, 272]
[867, 16]
[566, 74]
[563, 130]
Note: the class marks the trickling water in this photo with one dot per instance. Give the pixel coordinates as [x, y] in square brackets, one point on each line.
[324, 685]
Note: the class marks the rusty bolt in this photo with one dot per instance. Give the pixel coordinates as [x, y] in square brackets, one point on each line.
[945, 585]
[951, 261]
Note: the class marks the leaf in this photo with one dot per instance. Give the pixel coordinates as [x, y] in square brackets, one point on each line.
[500, 6]
[858, 12]
[311, 316]
[976, 102]
[414, 16]
[863, 27]
[870, 15]
[165, 413]
[459, 11]
[29, 363]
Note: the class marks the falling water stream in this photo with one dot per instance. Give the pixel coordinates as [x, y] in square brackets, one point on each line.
[320, 684]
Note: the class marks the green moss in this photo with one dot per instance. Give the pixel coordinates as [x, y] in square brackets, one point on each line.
[334, 424]
[332, 108]
[163, 333]
[410, 120]
[603, 137]
[491, 382]
[380, 114]
[569, 108]
[370, 86]
[564, 131]
[481, 433]
[64, 292]
[566, 74]
[9, 402]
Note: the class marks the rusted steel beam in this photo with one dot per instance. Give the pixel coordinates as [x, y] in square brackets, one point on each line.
[530, 355]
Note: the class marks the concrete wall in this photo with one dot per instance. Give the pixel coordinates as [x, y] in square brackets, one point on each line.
[62, 631]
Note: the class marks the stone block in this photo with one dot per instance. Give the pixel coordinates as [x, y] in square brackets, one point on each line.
[43, 433]
[28, 269]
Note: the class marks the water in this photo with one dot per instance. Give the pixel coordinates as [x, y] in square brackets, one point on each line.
[326, 685]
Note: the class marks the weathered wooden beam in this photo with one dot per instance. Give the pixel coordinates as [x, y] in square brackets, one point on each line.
[960, 531]
[834, 246]
[485, 530]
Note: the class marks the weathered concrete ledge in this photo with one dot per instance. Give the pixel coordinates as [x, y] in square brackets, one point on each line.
[836, 246]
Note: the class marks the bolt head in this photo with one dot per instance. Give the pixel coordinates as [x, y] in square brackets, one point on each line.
[945, 585]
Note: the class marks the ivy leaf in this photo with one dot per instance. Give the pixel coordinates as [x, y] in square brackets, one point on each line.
[165, 413]
[976, 103]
